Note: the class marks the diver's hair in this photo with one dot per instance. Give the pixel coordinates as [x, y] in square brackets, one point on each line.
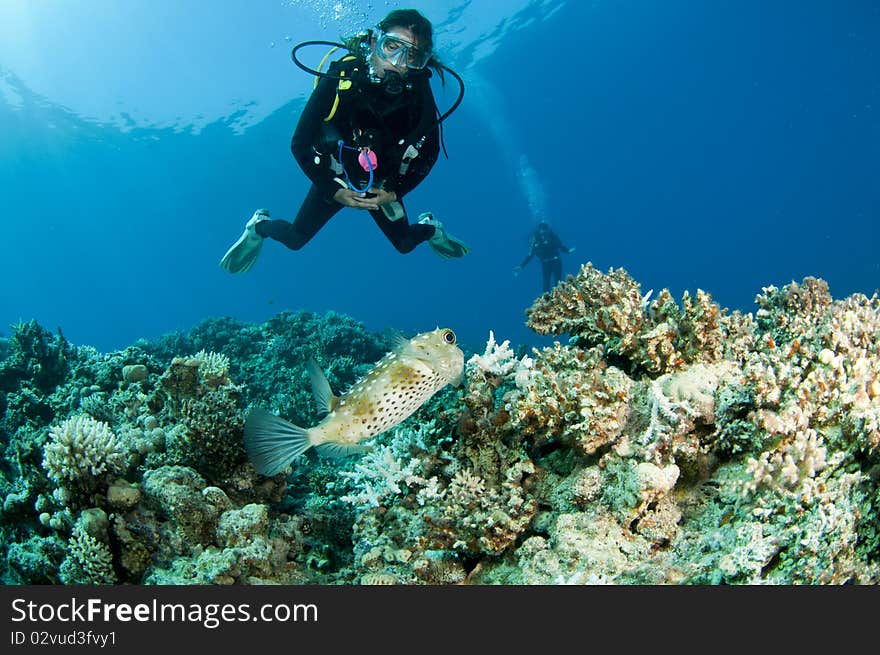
[412, 20]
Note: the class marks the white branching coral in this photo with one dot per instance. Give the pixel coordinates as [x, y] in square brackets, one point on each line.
[391, 470]
[791, 468]
[466, 488]
[662, 415]
[423, 436]
[81, 449]
[675, 402]
[474, 517]
[378, 475]
[501, 361]
[498, 359]
[214, 367]
[89, 560]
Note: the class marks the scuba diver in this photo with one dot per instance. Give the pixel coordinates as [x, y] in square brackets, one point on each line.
[368, 135]
[546, 245]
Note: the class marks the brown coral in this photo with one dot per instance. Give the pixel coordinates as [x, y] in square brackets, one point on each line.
[591, 305]
[475, 519]
[609, 310]
[575, 398]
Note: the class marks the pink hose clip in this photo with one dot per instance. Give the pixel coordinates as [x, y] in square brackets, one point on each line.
[367, 159]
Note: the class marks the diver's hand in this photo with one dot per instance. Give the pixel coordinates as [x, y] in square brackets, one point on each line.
[570, 250]
[355, 199]
[383, 197]
[516, 270]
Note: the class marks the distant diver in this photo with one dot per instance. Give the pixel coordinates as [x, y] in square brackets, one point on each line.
[546, 245]
[368, 135]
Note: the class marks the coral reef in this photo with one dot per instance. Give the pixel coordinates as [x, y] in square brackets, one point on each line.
[663, 443]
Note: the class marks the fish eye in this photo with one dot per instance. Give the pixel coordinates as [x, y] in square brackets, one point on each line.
[449, 336]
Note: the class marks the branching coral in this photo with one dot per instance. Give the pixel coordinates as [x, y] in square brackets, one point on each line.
[794, 311]
[380, 474]
[790, 468]
[678, 404]
[656, 336]
[198, 393]
[500, 361]
[665, 442]
[573, 397]
[596, 307]
[467, 499]
[791, 397]
[487, 440]
[475, 519]
[89, 560]
[81, 452]
[37, 356]
[213, 368]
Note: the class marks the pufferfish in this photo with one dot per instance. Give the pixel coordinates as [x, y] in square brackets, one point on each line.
[394, 388]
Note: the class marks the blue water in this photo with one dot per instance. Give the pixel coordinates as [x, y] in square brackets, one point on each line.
[724, 146]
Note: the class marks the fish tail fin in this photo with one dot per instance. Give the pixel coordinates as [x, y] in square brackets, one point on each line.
[271, 442]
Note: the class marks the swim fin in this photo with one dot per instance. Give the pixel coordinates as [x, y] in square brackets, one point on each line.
[443, 243]
[242, 256]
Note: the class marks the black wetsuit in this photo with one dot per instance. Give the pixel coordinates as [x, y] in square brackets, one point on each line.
[367, 115]
[547, 246]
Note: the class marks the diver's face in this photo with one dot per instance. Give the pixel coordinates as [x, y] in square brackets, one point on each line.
[383, 64]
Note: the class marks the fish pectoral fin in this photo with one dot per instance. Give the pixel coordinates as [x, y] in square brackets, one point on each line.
[398, 341]
[336, 450]
[408, 350]
[324, 398]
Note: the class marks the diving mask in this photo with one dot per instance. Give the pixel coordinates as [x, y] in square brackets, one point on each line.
[400, 52]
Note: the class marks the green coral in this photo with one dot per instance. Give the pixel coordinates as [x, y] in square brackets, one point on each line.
[621, 488]
[735, 430]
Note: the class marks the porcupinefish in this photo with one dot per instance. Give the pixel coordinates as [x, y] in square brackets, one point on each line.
[394, 388]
